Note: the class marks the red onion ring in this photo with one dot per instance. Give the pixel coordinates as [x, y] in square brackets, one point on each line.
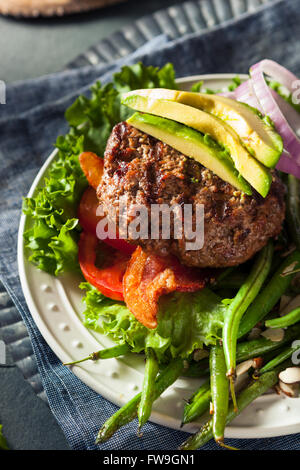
[288, 165]
[228, 94]
[245, 94]
[269, 104]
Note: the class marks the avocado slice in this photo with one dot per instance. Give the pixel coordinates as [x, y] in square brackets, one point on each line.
[193, 144]
[257, 134]
[252, 170]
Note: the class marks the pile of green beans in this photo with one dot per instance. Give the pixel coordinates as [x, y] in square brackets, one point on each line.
[293, 209]
[239, 305]
[254, 390]
[269, 296]
[199, 403]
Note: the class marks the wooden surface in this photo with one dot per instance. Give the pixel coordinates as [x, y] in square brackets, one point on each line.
[34, 8]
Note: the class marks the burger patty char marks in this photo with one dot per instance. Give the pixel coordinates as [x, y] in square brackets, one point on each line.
[146, 171]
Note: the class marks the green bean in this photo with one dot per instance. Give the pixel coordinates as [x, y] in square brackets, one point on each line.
[239, 305]
[283, 356]
[232, 282]
[284, 321]
[269, 296]
[129, 411]
[107, 353]
[261, 346]
[219, 391]
[148, 390]
[295, 288]
[3, 443]
[197, 369]
[198, 404]
[195, 372]
[254, 390]
[224, 274]
[293, 209]
[267, 358]
[276, 262]
[295, 285]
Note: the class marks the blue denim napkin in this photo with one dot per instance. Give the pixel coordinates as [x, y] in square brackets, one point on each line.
[30, 123]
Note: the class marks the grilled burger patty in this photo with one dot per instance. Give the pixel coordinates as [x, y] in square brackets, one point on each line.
[146, 171]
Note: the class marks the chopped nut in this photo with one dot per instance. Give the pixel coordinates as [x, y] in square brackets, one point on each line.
[294, 303]
[290, 375]
[254, 333]
[274, 334]
[284, 301]
[244, 367]
[289, 269]
[200, 354]
[291, 390]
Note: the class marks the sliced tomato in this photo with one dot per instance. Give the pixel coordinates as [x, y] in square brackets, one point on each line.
[109, 277]
[120, 245]
[88, 220]
[87, 210]
[92, 167]
[148, 276]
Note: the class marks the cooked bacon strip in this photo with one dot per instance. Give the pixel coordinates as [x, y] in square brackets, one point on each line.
[149, 276]
[92, 167]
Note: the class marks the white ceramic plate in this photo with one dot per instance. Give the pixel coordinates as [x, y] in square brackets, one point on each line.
[56, 306]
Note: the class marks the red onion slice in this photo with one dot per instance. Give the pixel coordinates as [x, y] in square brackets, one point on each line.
[269, 104]
[245, 94]
[278, 72]
[228, 94]
[290, 113]
[288, 165]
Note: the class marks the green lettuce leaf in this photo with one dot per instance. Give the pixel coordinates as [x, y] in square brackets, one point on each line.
[198, 87]
[95, 117]
[54, 230]
[185, 322]
[53, 234]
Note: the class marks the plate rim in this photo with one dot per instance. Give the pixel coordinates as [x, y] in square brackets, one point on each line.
[239, 432]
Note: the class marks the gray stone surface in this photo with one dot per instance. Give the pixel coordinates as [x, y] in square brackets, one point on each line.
[28, 423]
